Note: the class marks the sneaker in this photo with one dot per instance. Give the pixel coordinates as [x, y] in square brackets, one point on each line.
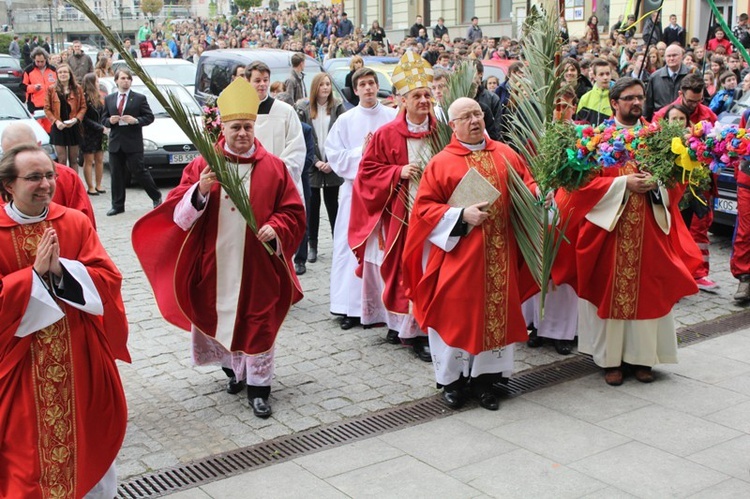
[706, 284]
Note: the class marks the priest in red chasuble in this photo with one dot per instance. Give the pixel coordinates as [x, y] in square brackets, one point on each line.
[62, 325]
[379, 214]
[625, 261]
[210, 273]
[462, 266]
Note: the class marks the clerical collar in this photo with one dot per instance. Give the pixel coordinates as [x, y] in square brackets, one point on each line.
[475, 147]
[370, 109]
[248, 154]
[21, 218]
[423, 127]
[265, 105]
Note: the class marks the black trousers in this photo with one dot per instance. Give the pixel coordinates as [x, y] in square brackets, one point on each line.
[122, 163]
[301, 255]
[331, 199]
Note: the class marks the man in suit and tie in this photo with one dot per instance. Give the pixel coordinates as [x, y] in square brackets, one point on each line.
[125, 114]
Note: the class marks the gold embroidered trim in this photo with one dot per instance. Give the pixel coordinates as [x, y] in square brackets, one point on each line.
[54, 392]
[628, 251]
[496, 261]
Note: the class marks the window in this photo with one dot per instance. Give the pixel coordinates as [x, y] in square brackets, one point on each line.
[387, 14]
[504, 9]
[363, 15]
[467, 11]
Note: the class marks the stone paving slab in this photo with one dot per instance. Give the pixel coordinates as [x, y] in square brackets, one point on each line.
[178, 412]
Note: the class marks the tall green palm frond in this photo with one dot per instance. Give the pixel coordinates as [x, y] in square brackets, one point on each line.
[539, 231]
[227, 174]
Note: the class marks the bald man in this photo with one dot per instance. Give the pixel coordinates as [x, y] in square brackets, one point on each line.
[70, 191]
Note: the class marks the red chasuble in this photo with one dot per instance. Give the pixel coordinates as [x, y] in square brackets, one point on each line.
[62, 406]
[181, 265]
[471, 295]
[70, 192]
[635, 272]
[375, 198]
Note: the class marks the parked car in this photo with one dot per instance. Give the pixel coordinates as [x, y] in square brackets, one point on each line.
[11, 75]
[15, 111]
[215, 68]
[179, 70]
[166, 147]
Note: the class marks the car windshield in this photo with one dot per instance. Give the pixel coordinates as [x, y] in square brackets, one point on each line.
[184, 74]
[186, 99]
[10, 107]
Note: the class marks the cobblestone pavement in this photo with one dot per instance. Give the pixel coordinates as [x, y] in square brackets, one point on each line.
[178, 412]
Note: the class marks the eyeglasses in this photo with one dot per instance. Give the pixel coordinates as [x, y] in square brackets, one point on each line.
[35, 178]
[478, 115]
[631, 98]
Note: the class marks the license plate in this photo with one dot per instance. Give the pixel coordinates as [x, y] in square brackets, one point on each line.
[178, 159]
[4, 75]
[725, 205]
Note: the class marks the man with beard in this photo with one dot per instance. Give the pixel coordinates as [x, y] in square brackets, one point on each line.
[381, 201]
[344, 146]
[79, 62]
[210, 273]
[624, 263]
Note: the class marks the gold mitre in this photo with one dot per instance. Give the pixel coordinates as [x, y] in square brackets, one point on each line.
[412, 72]
[239, 101]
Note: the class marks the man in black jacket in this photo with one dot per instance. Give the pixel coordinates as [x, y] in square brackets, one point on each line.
[414, 30]
[125, 114]
[439, 30]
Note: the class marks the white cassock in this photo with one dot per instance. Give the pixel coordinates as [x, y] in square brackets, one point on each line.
[452, 363]
[280, 133]
[610, 342]
[560, 321]
[257, 370]
[43, 311]
[343, 149]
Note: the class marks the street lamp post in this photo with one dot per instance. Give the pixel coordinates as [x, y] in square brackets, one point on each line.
[51, 31]
[122, 25]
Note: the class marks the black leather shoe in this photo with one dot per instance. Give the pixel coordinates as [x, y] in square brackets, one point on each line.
[157, 202]
[234, 387]
[312, 255]
[534, 341]
[489, 401]
[299, 268]
[261, 407]
[115, 211]
[392, 337]
[422, 348]
[349, 322]
[453, 398]
[564, 347]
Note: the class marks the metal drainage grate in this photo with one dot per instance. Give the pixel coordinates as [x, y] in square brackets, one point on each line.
[212, 468]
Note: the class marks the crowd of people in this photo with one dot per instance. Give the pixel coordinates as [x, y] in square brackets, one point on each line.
[434, 261]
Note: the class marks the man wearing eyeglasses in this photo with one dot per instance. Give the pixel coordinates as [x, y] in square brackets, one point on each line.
[466, 257]
[690, 96]
[62, 325]
[664, 83]
[624, 261]
[70, 191]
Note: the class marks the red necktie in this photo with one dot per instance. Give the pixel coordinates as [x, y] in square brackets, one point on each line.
[121, 105]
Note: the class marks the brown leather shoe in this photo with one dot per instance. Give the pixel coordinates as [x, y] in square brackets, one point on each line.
[613, 376]
[643, 374]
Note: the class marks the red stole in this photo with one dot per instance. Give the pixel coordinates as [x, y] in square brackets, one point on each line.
[471, 295]
[62, 407]
[375, 199]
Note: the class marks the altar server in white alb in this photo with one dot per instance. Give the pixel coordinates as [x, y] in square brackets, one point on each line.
[344, 146]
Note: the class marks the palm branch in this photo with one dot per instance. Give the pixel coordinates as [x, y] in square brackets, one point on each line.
[538, 230]
[226, 174]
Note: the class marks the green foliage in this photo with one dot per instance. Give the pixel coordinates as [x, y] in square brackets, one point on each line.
[247, 4]
[552, 166]
[5, 40]
[657, 157]
[152, 7]
[302, 4]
